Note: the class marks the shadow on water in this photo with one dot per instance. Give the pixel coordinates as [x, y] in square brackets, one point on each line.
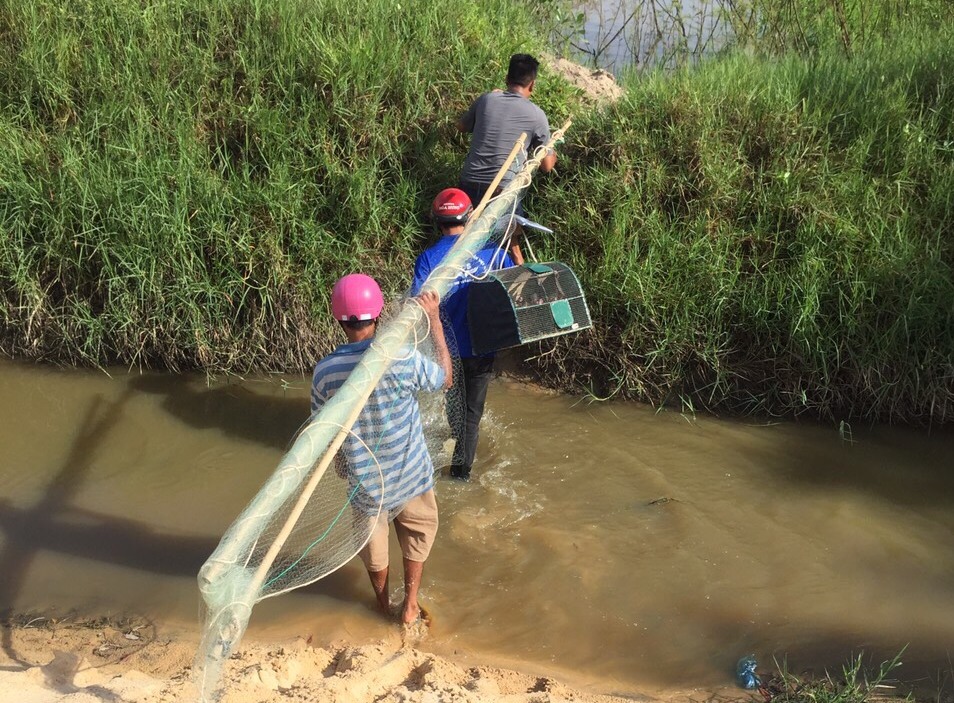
[828, 651]
[882, 486]
[18, 554]
[903, 471]
[111, 540]
[53, 524]
[233, 409]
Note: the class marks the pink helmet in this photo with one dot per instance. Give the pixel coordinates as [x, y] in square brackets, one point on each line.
[356, 297]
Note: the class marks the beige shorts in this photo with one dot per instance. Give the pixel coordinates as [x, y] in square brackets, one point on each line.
[416, 528]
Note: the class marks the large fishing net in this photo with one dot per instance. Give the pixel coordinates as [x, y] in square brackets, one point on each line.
[318, 508]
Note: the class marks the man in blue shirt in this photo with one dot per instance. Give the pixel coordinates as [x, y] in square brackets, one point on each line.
[451, 209]
[388, 435]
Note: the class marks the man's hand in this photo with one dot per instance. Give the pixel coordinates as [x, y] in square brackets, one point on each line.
[548, 162]
[430, 301]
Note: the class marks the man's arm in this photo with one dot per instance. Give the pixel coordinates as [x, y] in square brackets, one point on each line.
[465, 123]
[430, 301]
[541, 135]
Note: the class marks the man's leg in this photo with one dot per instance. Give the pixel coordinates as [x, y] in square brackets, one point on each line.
[477, 373]
[379, 582]
[374, 554]
[475, 191]
[413, 571]
[515, 252]
[416, 527]
[516, 233]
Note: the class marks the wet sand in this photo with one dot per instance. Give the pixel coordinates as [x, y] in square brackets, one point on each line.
[133, 661]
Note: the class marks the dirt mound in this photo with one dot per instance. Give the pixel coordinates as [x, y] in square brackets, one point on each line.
[598, 86]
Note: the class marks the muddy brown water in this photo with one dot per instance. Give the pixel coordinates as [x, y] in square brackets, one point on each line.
[601, 541]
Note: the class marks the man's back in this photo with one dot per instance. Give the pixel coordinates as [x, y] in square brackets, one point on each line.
[497, 119]
[454, 305]
[389, 432]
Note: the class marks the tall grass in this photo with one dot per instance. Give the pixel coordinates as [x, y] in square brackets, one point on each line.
[183, 181]
[857, 683]
[771, 236]
[180, 184]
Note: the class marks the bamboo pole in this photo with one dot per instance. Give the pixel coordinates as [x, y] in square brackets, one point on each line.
[489, 193]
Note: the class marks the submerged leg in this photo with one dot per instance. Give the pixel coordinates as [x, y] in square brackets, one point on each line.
[413, 571]
[374, 554]
[379, 582]
[477, 372]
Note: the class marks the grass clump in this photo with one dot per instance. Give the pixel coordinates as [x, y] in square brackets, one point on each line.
[856, 685]
[183, 182]
[769, 236]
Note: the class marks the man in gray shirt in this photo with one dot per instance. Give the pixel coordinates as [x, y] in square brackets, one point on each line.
[496, 119]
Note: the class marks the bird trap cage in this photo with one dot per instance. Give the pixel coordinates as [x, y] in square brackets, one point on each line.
[522, 304]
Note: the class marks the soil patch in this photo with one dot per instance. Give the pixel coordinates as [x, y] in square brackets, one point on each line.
[598, 86]
[130, 661]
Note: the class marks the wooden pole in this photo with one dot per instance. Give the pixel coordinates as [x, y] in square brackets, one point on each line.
[489, 193]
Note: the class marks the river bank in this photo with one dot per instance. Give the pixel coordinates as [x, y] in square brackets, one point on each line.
[760, 234]
[137, 662]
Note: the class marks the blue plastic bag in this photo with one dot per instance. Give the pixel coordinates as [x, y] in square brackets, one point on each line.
[745, 674]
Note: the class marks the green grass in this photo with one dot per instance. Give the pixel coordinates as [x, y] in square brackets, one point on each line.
[856, 684]
[181, 184]
[769, 236]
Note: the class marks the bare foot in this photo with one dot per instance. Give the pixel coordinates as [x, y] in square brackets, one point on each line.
[413, 614]
[409, 614]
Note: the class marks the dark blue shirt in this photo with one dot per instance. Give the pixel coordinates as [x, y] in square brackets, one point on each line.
[454, 302]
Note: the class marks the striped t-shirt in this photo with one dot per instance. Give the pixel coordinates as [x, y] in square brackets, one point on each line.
[390, 424]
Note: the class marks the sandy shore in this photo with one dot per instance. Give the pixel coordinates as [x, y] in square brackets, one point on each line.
[128, 662]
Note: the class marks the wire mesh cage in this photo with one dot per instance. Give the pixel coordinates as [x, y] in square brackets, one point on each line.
[522, 304]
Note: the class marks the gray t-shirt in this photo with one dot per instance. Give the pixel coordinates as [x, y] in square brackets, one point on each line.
[496, 121]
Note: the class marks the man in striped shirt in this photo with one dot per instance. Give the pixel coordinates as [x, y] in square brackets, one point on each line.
[389, 435]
